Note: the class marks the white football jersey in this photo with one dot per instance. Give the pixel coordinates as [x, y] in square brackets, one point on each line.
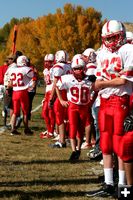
[7, 74]
[47, 79]
[60, 69]
[21, 77]
[77, 92]
[117, 64]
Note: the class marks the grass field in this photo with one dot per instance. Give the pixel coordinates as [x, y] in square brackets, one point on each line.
[31, 170]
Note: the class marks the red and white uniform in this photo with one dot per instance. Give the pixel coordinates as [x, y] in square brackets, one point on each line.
[47, 79]
[7, 73]
[57, 71]
[60, 69]
[48, 113]
[78, 95]
[114, 100]
[90, 69]
[20, 78]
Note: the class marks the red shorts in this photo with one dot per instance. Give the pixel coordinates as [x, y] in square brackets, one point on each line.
[111, 117]
[60, 111]
[126, 147]
[77, 115]
[20, 99]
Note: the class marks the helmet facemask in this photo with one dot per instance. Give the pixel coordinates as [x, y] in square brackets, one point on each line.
[78, 66]
[113, 35]
[78, 73]
[89, 56]
[113, 41]
[48, 64]
[90, 59]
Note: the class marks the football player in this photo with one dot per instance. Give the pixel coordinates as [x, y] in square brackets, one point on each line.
[60, 68]
[20, 78]
[114, 82]
[48, 113]
[89, 56]
[78, 87]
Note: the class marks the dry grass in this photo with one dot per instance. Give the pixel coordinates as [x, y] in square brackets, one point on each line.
[31, 170]
[129, 26]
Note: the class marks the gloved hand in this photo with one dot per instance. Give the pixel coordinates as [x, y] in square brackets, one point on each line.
[128, 123]
[91, 78]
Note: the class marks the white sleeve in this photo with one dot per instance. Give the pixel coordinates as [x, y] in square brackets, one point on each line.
[57, 71]
[30, 73]
[6, 78]
[61, 84]
[127, 72]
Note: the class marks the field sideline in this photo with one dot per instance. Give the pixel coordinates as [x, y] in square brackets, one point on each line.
[31, 170]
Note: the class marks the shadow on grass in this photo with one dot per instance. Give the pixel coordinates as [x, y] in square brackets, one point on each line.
[47, 162]
[2, 162]
[47, 194]
[50, 183]
[36, 128]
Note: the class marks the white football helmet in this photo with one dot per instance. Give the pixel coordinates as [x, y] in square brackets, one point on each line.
[90, 55]
[129, 36]
[22, 61]
[61, 56]
[49, 57]
[78, 66]
[113, 35]
[77, 56]
[77, 63]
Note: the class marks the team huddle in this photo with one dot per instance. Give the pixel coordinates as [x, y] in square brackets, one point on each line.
[94, 89]
[72, 90]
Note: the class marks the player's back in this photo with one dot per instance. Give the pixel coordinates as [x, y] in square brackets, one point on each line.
[21, 77]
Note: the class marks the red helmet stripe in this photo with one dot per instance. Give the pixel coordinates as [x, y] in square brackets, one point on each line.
[108, 26]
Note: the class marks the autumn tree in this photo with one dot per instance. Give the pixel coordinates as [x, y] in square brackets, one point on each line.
[73, 29]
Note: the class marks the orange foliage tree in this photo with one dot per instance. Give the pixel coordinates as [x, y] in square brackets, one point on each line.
[73, 29]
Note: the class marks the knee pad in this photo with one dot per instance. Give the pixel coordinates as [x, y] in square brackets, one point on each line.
[106, 143]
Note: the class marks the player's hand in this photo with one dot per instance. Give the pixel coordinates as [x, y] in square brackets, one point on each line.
[64, 103]
[43, 101]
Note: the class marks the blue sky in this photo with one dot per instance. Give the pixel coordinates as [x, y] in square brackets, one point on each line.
[111, 9]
